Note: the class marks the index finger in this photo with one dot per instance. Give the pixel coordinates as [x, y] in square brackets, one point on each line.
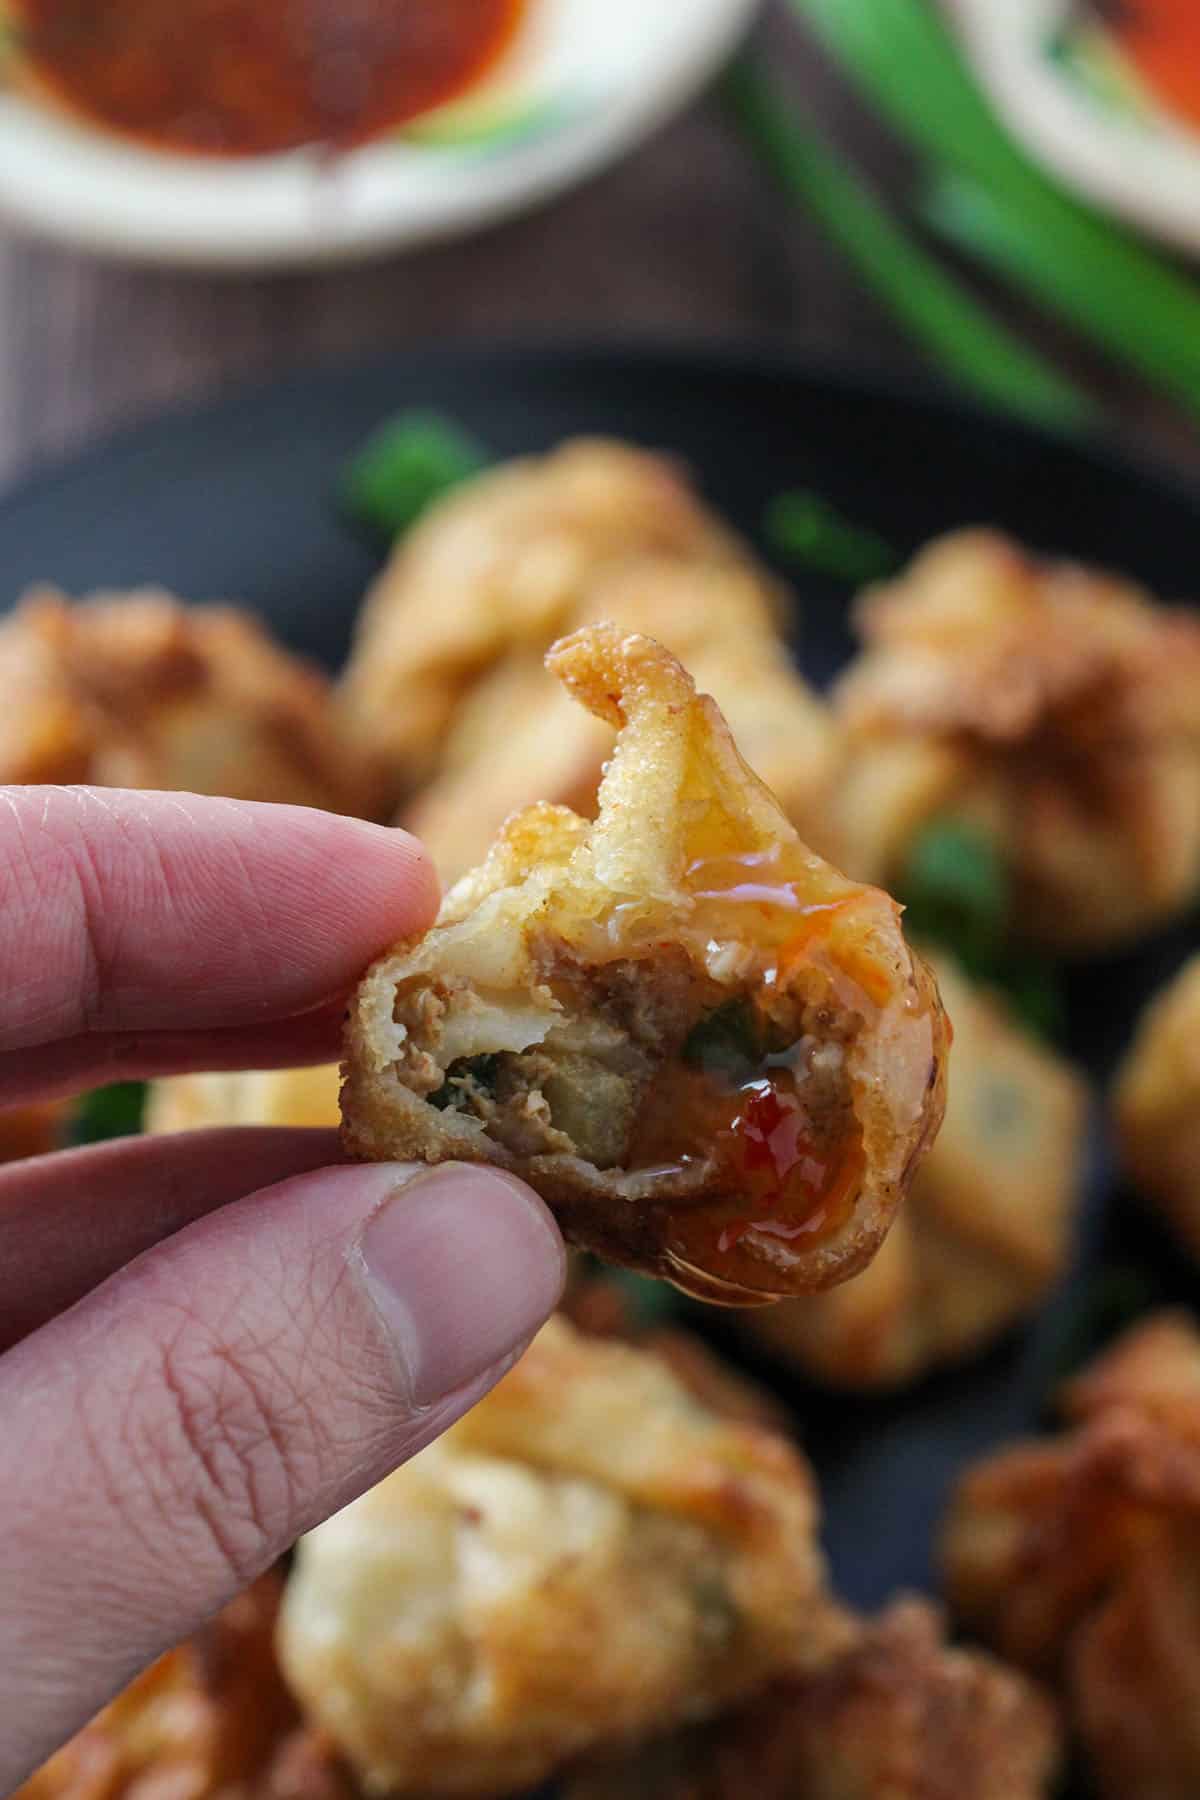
[144, 912]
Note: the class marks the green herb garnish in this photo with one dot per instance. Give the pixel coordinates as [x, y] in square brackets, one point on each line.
[405, 466]
[805, 528]
[109, 1112]
[940, 313]
[957, 891]
[991, 200]
[957, 894]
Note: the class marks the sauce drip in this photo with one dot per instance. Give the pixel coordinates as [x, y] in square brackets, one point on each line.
[781, 1179]
[253, 77]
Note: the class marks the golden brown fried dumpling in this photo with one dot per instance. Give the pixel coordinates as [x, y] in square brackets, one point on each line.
[211, 1719]
[1080, 1557]
[1157, 1103]
[891, 1714]
[306, 1097]
[1055, 708]
[500, 565]
[588, 1556]
[714, 1056]
[138, 690]
[987, 1228]
[520, 738]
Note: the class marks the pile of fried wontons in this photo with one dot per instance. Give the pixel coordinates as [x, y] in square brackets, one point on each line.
[673, 986]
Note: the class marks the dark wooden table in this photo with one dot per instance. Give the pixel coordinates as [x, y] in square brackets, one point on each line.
[686, 238]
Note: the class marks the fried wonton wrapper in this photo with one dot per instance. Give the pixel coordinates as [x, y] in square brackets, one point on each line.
[521, 738]
[209, 1721]
[1157, 1104]
[891, 1714]
[307, 1097]
[987, 1228]
[1053, 707]
[588, 1557]
[139, 690]
[501, 565]
[1080, 1557]
[713, 1056]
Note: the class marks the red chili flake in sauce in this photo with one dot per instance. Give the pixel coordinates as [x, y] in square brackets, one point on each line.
[253, 77]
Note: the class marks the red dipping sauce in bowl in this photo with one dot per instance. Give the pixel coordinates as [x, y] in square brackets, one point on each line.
[255, 77]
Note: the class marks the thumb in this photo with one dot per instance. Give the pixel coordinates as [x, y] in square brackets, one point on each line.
[167, 1438]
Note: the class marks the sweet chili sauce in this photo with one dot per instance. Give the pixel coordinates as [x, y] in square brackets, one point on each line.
[780, 1179]
[785, 1175]
[1162, 39]
[252, 77]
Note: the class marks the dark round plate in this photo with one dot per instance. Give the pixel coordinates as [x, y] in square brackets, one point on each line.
[237, 501]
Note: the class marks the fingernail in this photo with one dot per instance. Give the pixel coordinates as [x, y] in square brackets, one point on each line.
[463, 1264]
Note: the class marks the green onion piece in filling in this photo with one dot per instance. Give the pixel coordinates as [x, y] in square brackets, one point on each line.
[481, 1071]
[725, 1042]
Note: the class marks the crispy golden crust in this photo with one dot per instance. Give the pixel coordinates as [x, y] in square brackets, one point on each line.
[546, 1022]
[1081, 1557]
[893, 1713]
[138, 690]
[520, 738]
[987, 1227]
[1054, 707]
[589, 1556]
[306, 1097]
[501, 567]
[1157, 1105]
[211, 1719]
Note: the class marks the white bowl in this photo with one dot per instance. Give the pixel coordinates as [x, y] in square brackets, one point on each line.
[594, 77]
[1121, 150]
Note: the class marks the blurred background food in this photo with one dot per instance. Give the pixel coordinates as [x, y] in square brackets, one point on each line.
[611, 1575]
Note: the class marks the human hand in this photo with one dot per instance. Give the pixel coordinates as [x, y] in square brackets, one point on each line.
[209, 1342]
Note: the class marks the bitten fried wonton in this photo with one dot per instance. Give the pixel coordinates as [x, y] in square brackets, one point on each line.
[1080, 1557]
[715, 1057]
[1052, 708]
[987, 1228]
[520, 738]
[591, 1555]
[893, 1713]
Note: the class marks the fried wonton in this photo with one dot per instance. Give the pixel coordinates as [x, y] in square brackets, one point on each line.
[891, 1714]
[589, 1556]
[499, 566]
[1080, 1557]
[1051, 707]
[256, 1097]
[521, 738]
[209, 1721]
[987, 1228]
[714, 1057]
[139, 690]
[1157, 1104]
